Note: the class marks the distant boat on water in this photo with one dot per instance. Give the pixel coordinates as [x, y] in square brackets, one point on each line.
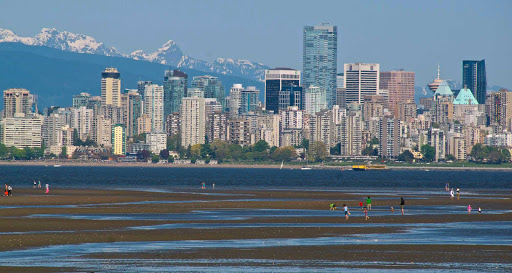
[56, 165]
[305, 168]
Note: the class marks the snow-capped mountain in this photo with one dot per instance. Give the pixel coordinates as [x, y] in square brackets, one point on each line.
[169, 54]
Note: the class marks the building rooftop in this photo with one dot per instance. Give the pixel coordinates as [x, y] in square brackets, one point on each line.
[466, 97]
[443, 90]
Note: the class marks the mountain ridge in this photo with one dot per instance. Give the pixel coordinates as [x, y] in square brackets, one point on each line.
[169, 54]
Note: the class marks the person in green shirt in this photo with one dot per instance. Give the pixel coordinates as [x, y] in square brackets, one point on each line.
[369, 203]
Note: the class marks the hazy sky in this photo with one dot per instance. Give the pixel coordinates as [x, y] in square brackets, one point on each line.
[414, 35]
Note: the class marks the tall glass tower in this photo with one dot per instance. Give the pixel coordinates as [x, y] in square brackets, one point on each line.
[175, 89]
[211, 87]
[473, 77]
[320, 45]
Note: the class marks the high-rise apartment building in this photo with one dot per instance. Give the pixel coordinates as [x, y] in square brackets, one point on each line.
[351, 134]
[154, 106]
[173, 124]
[21, 131]
[314, 100]
[211, 86]
[193, 121]
[81, 120]
[111, 87]
[499, 109]
[119, 139]
[16, 101]
[239, 131]
[474, 78]
[361, 79]
[132, 106]
[141, 87]
[102, 131]
[249, 99]
[400, 86]
[217, 126]
[320, 55]
[81, 100]
[157, 142]
[175, 89]
[389, 137]
[279, 82]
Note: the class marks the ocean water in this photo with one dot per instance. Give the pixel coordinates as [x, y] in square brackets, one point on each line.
[250, 178]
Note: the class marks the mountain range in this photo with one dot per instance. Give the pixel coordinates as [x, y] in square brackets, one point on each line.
[169, 54]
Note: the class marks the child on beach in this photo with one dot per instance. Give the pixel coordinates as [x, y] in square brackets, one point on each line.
[361, 204]
[333, 206]
[402, 204]
[47, 189]
[365, 213]
[39, 184]
[347, 213]
[469, 209]
[369, 203]
[392, 210]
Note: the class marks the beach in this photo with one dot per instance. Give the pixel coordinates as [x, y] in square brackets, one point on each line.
[229, 229]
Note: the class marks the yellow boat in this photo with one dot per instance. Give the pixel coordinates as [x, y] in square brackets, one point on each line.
[368, 167]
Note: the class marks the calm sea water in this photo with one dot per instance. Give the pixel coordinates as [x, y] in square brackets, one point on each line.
[236, 178]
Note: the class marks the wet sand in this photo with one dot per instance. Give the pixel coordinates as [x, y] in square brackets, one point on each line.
[30, 219]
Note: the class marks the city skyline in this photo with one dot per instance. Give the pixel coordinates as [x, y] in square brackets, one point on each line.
[416, 46]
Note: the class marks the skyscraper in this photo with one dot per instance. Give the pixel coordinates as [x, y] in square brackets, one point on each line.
[132, 105]
[175, 88]
[320, 47]
[474, 78]
[361, 79]
[16, 100]
[400, 85]
[211, 87]
[276, 81]
[81, 100]
[193, 121]
[118, 139]
[249, 99]
[111, 87]
[154, 106]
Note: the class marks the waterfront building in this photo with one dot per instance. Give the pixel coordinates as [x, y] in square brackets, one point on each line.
[279, 82]
[320, 55]
[111, 87]
[193, 121]
[474, 77]
[16, 101]
[173, 124]
[118, 139]
[154, 106]
[239, 132]
[217, 126]
[132, 106]
[144, 124]
[81, 120]
[175, 89]
[21, 131]
[389, 137]
[400, 86]
[102, 131]
[361, 79]
[157, 142]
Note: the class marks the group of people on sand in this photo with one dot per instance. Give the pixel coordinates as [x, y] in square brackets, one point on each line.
[203, 185]
[452, 195]
[367, 208]
[38, 185]
[8, 190]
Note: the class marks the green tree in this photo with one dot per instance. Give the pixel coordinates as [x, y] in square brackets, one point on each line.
[64, 152]
[75, 137]
[195, 150]
[336, 150]
[305, 143]
[143, 155]
[235, 151]
[506, 155]
[428, 152]
[220, 149]
[206, 150]
[450, 157]
[155, 159]
[261, 146]
[286, 153]
[164, 154]
[406, 156]
[139, 138]
[173, 142]
[3, 151]
[318, 151]
[374, 141]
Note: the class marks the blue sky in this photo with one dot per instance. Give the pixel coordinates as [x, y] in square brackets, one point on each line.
[414, 35]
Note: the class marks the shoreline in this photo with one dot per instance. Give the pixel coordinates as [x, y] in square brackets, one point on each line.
[242, 165]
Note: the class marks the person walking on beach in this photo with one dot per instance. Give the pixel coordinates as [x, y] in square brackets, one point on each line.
[447, 187]
[203, 186]
[479, 210]
[34, 184]
[9, 190]
[6, 192]
[347, 213]
[365, 213]
[451, 194]
[361, 204]
[458, 193]
[469, 209]
[39, 184]
[402, 204]
[47, 189]
[369, 203]
[392, 210]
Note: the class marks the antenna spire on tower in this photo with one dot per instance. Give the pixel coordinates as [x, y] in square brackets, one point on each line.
[438, 71]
